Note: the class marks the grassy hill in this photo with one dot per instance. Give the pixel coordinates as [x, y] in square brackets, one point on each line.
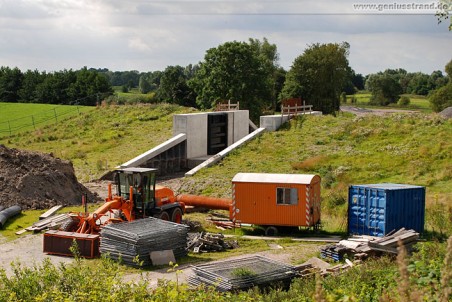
[98, 140]
[343, 150]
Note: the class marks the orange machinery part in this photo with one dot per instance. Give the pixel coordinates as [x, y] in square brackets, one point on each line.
[205, 202]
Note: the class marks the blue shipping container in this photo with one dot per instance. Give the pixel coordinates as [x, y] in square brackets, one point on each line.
[378, 209]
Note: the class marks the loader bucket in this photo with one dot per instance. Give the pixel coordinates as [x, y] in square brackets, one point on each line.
[60, 242]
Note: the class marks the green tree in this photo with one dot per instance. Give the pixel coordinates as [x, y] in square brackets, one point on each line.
[233, 71]
[174, 88]
[441, 98]
[88, 87]
[10, 84]
[28, 91]
[384, 87]
[269, 57]
[319, 75]
[54, 88]
[144, 84]
[443, 13]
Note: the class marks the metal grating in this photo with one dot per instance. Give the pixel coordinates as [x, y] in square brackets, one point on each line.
[135, 240]
[223, 275]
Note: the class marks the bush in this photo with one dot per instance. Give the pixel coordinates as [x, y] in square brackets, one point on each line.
[441, 98]
[404, 101]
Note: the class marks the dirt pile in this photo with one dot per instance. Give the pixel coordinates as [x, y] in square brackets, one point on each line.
[36, 180]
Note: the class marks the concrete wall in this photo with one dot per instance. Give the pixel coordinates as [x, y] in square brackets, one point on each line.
[194, 126]
[273, 122]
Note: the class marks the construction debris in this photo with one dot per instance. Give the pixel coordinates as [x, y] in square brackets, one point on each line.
[132, 242]
[209, 242]
[51, 223]
[193, 225]
[222, 223]
[244, 273]
[50, 212]
[361, 247]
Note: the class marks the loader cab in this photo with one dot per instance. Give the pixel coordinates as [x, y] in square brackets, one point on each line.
[142, 180]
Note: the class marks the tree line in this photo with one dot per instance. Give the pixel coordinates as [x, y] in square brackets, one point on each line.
[248, 72]
[387, 86]
[83, 87]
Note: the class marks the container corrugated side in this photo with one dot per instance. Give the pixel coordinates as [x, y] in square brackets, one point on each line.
[378, 209]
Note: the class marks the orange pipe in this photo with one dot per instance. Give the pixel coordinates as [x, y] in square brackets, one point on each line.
[205, 202]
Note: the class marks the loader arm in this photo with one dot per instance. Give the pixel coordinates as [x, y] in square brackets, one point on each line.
[91, 224]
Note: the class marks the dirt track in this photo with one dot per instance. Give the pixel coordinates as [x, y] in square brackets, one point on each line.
[364, 111]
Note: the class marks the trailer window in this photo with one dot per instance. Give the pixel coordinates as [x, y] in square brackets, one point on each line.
[286, 196]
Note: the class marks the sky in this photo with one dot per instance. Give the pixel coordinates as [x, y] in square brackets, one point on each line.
[149, 35]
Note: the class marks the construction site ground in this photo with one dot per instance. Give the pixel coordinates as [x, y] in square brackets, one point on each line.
[27, 250]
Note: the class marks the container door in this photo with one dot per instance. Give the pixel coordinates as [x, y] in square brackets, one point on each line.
[376, 212]
[357, 210]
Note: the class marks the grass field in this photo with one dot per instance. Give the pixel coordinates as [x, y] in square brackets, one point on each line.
[417, 102]
[20, 117]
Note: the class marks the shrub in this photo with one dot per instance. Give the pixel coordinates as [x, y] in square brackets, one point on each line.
[404, 101]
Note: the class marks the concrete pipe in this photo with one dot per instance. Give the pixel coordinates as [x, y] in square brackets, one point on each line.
[8, 213]
[205, 202]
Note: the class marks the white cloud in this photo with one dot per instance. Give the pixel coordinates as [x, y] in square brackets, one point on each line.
[150, 35]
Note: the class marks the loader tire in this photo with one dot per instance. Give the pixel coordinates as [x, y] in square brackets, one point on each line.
[176, 215]
[70, 225]
[164, 216]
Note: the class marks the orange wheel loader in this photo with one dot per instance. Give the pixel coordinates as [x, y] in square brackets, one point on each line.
[136, 197]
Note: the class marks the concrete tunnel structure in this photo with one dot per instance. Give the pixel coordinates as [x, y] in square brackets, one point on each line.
[202, 139]
[197, 138]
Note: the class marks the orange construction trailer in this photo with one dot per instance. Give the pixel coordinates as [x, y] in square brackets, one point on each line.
[276, 200]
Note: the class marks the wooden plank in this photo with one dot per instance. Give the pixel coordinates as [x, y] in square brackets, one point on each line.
[21, 232]
[50, 212]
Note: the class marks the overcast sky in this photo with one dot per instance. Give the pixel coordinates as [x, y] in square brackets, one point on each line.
[151, 35]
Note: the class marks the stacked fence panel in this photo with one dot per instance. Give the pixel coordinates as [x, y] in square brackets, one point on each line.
[242, 273]
[132, 242]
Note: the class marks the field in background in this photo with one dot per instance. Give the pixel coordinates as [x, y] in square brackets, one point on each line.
[20, 117]
[417, 102]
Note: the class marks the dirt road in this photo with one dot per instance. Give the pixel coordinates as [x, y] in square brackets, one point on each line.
[365, 111]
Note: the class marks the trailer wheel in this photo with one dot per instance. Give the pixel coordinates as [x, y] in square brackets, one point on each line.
[164, 216]
[271, 231]
[70, 225]
[176, 215]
